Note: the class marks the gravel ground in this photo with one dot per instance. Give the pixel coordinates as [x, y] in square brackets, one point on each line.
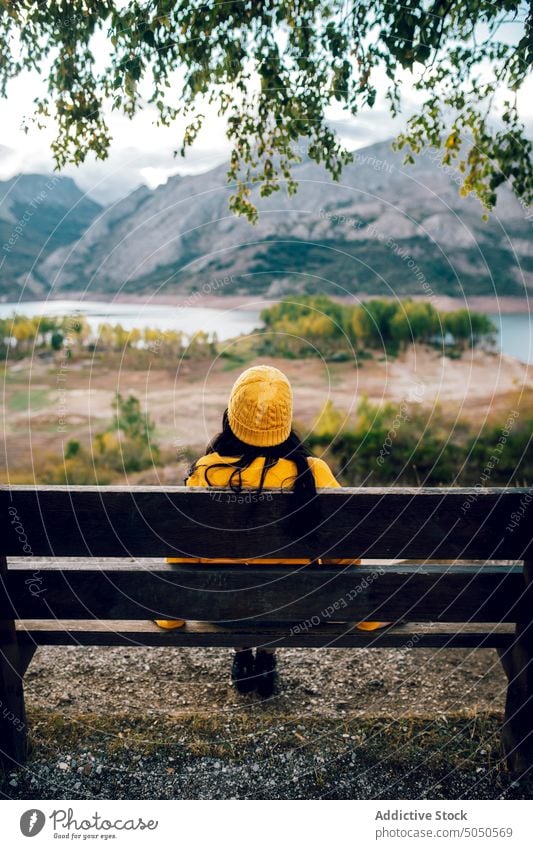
[165, 723]
[350, 773]
[330, 684]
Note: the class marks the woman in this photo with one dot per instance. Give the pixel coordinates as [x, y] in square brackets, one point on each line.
[257, 450]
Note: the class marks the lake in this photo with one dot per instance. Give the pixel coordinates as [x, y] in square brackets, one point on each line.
[225, 323]
[514, 336]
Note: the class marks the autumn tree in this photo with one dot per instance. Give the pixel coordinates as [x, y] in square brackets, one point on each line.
[272, 69]
[314, 325]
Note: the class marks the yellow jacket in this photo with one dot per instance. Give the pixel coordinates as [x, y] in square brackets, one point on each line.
[280, 476]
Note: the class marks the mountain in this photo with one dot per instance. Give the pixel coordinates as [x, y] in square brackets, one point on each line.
[38, 215]
[385, 228]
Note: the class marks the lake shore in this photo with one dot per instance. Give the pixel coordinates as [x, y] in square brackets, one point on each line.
[493, 305]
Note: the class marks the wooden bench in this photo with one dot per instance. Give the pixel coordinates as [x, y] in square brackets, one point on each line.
[60, 588]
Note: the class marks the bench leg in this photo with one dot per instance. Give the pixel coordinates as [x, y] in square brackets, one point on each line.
[517, 661]
[26, 653]
[13, 729]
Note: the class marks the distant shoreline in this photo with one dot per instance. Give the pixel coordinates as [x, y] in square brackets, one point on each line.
[504, 305]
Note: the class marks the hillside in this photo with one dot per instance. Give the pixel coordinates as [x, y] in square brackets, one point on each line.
[38, 214]
[384, 228]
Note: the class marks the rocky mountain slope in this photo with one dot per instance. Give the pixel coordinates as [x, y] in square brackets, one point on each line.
[38, 215]
[385, 227]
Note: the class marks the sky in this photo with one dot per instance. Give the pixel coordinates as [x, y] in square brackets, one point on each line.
[142, 153]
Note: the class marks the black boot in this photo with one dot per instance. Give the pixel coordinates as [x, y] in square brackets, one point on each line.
[265, 673]
[242, 671]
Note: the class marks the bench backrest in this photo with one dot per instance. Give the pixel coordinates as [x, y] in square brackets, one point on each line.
[427, 524]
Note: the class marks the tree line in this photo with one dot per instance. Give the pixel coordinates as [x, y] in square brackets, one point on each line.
[22, 336]
[316, 325]
[310, 325]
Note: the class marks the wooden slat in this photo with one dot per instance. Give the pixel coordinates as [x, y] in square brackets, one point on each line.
[35, 565]
[438, 523]
[121, 633]
[277, 594]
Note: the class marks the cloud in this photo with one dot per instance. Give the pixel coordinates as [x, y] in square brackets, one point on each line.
[363, 131]
[5, 152]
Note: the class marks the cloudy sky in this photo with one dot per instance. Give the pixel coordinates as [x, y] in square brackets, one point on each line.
[143, 153]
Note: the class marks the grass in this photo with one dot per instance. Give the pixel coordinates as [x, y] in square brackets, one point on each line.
[28, 400]
[449, 757]
[233, 361]
[242, 353]
[444, 741]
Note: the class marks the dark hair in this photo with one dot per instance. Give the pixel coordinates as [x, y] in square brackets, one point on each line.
[228, 445]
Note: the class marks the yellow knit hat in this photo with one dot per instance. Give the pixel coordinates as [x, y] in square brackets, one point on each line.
[260, 406]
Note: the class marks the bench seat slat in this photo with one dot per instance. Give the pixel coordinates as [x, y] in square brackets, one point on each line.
[148, 564]
[133, 634]
[275, 594]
